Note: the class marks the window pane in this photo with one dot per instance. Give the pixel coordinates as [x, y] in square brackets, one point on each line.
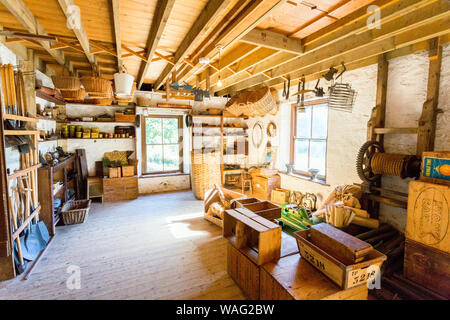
[304, 123]
[153, 134]
[317, 156]
[154, 158]
[170, 128]
[320, 122]
[301, 155]
[171, 157]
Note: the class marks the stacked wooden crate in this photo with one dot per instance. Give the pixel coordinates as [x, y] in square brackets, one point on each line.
[427, 247]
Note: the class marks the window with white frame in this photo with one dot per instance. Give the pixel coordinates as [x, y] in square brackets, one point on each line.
[309, 138]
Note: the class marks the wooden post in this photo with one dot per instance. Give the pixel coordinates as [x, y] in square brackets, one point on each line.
[427, 121]
[378, 116]
[208, 78]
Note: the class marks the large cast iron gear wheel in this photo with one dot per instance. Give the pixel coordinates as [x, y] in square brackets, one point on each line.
[363, 161]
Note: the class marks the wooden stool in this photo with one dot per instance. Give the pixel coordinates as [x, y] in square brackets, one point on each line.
[246, 181]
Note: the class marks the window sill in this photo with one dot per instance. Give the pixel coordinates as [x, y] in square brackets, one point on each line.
[308, 179]
[158, 175]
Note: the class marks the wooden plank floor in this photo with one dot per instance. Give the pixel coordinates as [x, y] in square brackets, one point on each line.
[155, 247]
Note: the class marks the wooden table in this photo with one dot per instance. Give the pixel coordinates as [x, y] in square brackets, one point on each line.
[293, 278]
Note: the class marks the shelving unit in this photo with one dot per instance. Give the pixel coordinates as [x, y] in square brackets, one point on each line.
[222, 135]
[47, 177]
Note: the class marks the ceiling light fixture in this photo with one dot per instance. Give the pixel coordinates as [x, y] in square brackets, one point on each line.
[219, 47]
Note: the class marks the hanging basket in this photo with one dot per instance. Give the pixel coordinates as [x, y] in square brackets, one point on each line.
[66, 82]
[97, 87]
[261, 101]
[74, 95]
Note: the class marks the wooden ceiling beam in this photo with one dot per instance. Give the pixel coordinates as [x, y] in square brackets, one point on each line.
[168, 59]
[319, 16]
[78, 29]
[352, 41]
[162, 12]
[29, 21]
[247, 19]
[134, 53]
[273, 40]
[201, 27]
[117, 33]
[403, 39]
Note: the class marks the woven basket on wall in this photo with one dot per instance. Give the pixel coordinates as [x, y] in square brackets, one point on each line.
[97, 87]
[262, 101]
[73, 95]
[205, 172]
[66, 82]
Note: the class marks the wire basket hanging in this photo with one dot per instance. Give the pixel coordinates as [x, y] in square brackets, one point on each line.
[341, 97]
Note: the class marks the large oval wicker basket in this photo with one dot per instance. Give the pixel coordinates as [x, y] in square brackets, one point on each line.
[97, 87]
[261, 101]
[73, 95]
[205, 172]
[66, 82]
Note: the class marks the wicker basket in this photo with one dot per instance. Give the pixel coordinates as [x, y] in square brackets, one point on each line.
[75, 211]
[66, 82]
[261, 101]
[205, 172]
[74, 95]
[103, 101]
[97, 87]
[237, 105]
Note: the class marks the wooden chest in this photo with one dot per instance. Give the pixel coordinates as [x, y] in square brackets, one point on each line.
[428, 216]
[262, 186]
[115, 189]
[246, 273]
[293, 278]
[428, 267]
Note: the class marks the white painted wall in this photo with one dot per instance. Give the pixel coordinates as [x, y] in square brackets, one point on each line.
[407, 83]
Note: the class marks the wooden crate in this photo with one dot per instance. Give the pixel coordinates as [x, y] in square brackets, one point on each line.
[280, 196]
[427, 220]
[127, 171]
[436, 167]
[117, 189]
[256, 237]
[241, 202]
[265, 209]
[262, 186]
[293, 278]
[246, 273]
[428, 267]
[121, 117]
[344, 275]
[114, 172]
[339, 244]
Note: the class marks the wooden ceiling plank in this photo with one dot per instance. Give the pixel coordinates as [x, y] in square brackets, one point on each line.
[397, 41]
[388, 10]
[169, 59]
[78, 29]
[312, 54]
[29, 21]
[319, 16]
[117, 33]
[273, 40]
[255, 12]
[134, 53]
[431, 12]
[162, 12]
[212, 10]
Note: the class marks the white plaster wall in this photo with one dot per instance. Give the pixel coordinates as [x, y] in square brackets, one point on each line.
[346, 134]
[406, 93]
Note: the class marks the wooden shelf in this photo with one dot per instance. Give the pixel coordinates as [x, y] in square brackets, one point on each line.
[19, 132]
[97, 105]
[74, 121]
[49, 98]
[91, 139]
[20, 118]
